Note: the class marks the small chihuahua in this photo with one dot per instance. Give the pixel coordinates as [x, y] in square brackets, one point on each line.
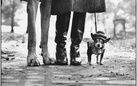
[97, 46]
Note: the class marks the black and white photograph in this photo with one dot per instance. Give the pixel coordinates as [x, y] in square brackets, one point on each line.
[68, 42]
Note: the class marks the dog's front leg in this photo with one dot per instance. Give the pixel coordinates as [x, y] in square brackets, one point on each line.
[45, 9]
[101, 57]
[32, 6]
[97, 59]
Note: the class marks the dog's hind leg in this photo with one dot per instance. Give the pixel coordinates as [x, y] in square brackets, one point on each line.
[89, 59]
[89, 56]
[32, 6]
[45, 9]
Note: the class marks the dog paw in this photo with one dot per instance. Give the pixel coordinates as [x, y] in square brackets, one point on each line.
[89, 63]
[32, 61]
[100, 64]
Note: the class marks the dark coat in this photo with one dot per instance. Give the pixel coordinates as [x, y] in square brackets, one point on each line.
[91, 6]
[63, 6]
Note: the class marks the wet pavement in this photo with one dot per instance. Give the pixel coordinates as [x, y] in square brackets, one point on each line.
[53, 76]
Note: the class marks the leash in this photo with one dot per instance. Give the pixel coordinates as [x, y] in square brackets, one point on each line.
[95, 16]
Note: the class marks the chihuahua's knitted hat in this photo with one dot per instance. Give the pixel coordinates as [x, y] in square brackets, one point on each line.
[101, 35]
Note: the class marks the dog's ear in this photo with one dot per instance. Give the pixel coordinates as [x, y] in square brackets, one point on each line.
[107, 40]
[92, 36]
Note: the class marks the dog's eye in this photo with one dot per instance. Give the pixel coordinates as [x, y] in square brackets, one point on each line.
[97, 40]
[101, 41]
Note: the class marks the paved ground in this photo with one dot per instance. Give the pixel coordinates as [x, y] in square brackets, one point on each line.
[50, 76]
[118, 68]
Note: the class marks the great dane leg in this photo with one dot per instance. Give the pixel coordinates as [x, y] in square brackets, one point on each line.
[32, 11]
[45, 9]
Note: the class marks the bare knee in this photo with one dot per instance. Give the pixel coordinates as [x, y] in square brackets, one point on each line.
[45, 8]
[32, 5]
